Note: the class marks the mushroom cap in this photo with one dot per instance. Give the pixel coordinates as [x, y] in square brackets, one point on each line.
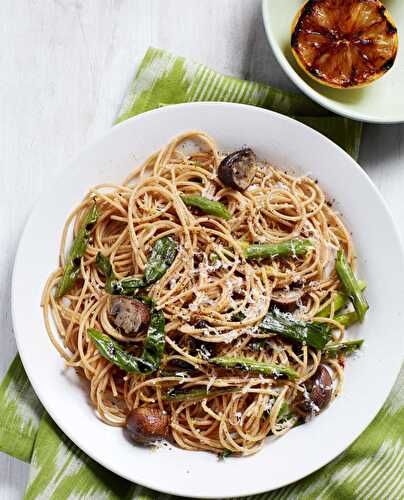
[146, 425]
[238, 169]
[131, 315]
[319, 391]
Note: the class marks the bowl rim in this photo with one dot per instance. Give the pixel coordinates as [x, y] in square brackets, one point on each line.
[308, 89]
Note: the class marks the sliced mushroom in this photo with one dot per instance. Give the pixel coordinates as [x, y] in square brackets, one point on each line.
[321, 390]
[286, 301]
[318, 392]
[147, 425]
[131, 315]
[238, 169]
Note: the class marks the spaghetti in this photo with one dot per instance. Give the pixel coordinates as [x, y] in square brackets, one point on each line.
[212, 297]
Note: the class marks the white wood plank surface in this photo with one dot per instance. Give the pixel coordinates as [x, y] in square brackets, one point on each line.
[64, 68]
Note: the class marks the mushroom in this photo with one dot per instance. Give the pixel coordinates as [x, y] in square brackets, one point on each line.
[131, 315]
[318, 392]
[287, 300]
[321, 389]
[147, 425]
[237, 170]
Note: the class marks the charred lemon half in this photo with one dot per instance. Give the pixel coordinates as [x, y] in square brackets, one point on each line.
[344, 43]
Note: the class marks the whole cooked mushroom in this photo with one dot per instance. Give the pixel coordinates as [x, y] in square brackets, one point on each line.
[318, 392]
[238, 169]
[131, 315]
[147, 425]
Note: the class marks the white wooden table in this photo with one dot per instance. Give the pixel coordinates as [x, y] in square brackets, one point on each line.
[65, 66]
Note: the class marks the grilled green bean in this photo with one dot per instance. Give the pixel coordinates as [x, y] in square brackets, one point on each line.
[347, 319]
[284, 249]
[284, 324]
[343, 347]
[251, 365]
[208, 206]
[351, 285]
[163, 254]
[179, 394]
[72, 268]
[341, 299]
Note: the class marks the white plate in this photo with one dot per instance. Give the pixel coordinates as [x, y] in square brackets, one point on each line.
[380, 102]
[287, 144]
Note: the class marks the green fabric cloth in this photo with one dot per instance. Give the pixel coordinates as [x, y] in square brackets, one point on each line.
[373, 465]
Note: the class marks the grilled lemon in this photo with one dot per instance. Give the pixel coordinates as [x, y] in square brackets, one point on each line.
[344, 43]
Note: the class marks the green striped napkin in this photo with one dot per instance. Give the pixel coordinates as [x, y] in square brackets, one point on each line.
[372, 468]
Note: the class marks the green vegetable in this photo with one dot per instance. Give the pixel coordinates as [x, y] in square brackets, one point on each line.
[284, 411]
[147, 300]
[104, 265]
[239, 316]
[115, 353]
[163, 254]
[345, 347]
[155, 340]
[153, 347]
[347, 319]
[251, 365]
[208, 206]
[224, 454]
[78, 249]
[179, 394]
[284, 324]
[126, 286]
[351, 285]
[213, 257]
[284, 249]
[341, 299]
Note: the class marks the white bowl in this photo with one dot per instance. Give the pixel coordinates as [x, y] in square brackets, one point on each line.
[380, 102]
[287, 144]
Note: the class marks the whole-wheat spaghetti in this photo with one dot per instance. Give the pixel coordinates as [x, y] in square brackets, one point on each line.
[207, 286]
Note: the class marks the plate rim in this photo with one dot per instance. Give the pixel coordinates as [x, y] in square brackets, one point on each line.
[305, 87]
[40, 392]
